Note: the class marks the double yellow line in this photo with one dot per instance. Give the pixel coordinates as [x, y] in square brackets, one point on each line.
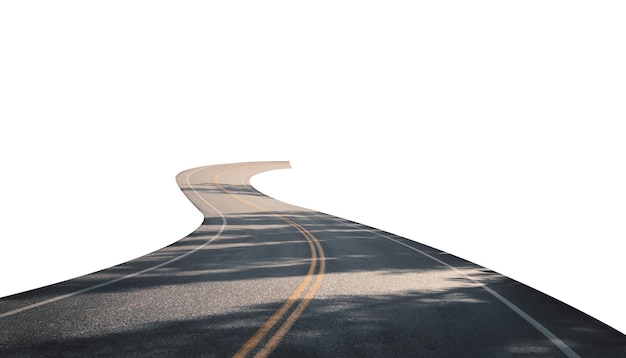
[303, 293]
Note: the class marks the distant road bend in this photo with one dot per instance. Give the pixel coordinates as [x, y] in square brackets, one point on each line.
[263, 278]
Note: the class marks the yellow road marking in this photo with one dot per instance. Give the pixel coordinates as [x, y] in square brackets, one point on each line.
[286, 326]
[271, 322]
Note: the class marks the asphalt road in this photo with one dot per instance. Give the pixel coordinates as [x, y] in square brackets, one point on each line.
[260, 277]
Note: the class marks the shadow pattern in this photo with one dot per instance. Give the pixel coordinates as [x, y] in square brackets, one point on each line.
[456, 319]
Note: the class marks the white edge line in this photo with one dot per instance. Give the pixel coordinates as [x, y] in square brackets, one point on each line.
[538, 326]
[58, 298]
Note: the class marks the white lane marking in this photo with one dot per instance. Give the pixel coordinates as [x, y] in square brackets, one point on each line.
[546, 332]
[58, 298]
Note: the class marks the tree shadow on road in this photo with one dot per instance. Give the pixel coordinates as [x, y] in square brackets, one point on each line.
[444, 320]
[444, 323]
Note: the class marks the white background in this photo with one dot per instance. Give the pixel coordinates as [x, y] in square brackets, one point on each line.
[493, 130]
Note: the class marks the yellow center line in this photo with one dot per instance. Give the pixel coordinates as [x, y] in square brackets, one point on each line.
[277, 316]
[286, 326]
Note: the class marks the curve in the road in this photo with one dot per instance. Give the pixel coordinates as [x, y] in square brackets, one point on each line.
[317, 261]
[316, 268]
[261, 277]
[134, 274]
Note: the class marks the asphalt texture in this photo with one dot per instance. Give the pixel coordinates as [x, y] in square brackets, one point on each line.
[261, 278]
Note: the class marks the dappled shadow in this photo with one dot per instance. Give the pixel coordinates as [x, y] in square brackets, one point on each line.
[253, 246]
[456, 322]
[376, 300]
[223, 188]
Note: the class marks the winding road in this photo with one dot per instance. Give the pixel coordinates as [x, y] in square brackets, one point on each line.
[263, 278]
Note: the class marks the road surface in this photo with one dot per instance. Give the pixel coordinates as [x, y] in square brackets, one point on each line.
[263, 278]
